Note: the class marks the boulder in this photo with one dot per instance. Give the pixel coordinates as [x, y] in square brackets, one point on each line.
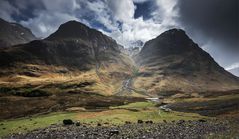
[114, 132]
[140, 121]
[77, 123]
[149, 122]
[68, 122]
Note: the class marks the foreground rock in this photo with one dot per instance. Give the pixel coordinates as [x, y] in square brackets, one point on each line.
[171, 130]
[68, 122]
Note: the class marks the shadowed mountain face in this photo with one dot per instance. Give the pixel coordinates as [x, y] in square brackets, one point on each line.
[172, 61]
[13, 33]
[72, 45]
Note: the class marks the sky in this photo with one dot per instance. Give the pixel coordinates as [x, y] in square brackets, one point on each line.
[213, 24]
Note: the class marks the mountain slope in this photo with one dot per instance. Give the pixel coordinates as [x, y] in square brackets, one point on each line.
[72, 54]
[173, 62]
[13, 33]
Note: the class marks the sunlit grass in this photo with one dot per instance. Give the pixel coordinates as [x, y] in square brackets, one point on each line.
[26, 124]
[136, 105]
[113, 116]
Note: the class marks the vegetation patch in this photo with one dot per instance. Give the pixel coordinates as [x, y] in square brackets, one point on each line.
[27, 124]
[140, 105]
[79, 85]
[145, 111]
[25, 92]
[113, 116]
[168, 93]
[31, 93]
[207, 106]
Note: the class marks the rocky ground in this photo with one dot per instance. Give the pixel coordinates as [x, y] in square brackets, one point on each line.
[170, 130]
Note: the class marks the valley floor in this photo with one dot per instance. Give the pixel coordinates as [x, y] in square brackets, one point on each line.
[134, 120]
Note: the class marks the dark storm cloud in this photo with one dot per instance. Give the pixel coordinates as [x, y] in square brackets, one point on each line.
[217, 19]
[23, 10]
[214, 24]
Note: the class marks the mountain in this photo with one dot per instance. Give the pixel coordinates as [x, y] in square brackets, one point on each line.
[72, 45]
[173, 62]
[74, 51]
[13, 33]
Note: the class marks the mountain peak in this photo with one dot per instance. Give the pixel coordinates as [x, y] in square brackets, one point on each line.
[175, 30]
[72, 30]
[174, 35]
[72, 25]
[76, 31]
[173, 41]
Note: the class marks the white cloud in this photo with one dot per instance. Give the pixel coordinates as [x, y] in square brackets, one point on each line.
[102, 14]
[139, 29]
[123, 10]
[233, 66]
[47, 23]
[109, 13]
[64, 6]
[166, 12]
[54, 14]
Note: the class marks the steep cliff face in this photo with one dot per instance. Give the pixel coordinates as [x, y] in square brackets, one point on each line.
[13, 33]
[172, 61]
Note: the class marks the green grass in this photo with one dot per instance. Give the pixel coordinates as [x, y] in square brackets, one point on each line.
[119, 117]
[136, 105]
[113, 116]
[28, 124]
[144, 111]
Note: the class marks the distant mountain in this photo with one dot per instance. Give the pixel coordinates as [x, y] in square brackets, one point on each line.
[173, 62]
[13, 33]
